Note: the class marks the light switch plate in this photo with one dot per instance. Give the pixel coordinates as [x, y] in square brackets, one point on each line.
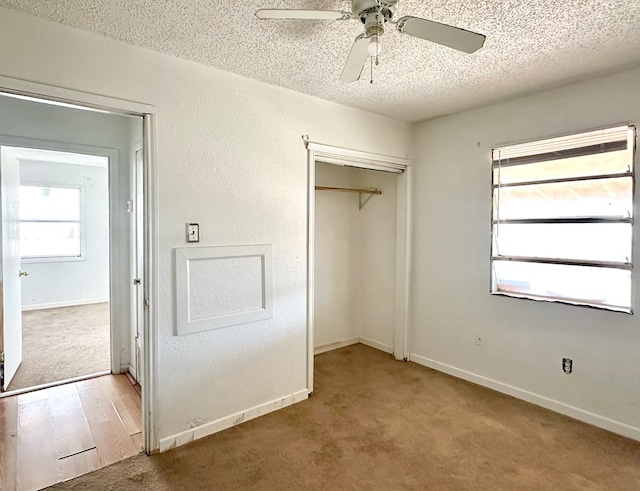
[193, 232]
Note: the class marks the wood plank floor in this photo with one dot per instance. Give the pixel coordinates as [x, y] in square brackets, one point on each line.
[55, 434]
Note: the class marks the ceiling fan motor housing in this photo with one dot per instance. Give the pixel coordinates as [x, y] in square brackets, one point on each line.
[362, 9]
[374, 24]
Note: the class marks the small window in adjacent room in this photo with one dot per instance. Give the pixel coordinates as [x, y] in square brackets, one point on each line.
[563, 219]
[50, 222]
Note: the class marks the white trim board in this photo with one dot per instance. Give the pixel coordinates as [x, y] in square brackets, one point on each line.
[323, 348]
[356, 158]
[217, 425]
[375, 344]
[73, 97]
[72, 303]
[129, 368]
[551, 404]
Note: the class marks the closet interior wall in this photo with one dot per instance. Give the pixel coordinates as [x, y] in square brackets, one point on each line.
[354, 259]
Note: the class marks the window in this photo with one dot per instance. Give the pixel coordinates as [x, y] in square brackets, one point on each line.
[49, 222]
[563, 219]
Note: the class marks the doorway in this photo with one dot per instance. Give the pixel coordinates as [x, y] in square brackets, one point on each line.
[40, 129]
[145, 209]
[398, 260]
[123, 137]
[63, 243]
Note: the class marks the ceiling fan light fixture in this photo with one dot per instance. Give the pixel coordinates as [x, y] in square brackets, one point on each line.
[375, 47]
[376, 15]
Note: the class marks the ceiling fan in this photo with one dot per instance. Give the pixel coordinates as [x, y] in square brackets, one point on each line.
[375, 15]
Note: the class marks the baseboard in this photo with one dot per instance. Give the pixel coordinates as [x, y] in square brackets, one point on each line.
[212, 427]
[557, 406]
[131, 369]
[72, 303]
[323, 348]
[335, 345]
[375, 344]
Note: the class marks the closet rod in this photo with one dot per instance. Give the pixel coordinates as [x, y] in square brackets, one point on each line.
[349, 190]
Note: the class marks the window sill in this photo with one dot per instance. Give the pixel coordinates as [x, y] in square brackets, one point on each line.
[564, 301]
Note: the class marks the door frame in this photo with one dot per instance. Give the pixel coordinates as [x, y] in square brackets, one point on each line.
[318, 152]
[150, 225]
[111, 154]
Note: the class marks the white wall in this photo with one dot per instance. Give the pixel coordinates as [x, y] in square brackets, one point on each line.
[56, 283]
[336, 288]
[525, 340]
[377, 238]
[354, 258]
[230, 157]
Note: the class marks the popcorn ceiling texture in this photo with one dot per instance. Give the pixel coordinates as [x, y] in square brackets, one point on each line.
[530, 45]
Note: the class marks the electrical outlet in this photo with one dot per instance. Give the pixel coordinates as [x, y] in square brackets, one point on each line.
[567, 365]
[480, 339]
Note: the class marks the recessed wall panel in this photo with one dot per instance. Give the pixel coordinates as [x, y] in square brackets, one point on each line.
[225, 285]
[222, 286]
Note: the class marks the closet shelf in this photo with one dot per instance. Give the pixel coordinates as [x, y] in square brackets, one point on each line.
[360, 192]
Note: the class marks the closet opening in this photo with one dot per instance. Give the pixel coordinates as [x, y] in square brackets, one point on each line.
[359, 229]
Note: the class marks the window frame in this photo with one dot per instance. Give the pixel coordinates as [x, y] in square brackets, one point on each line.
[632, 135]
[81, 224]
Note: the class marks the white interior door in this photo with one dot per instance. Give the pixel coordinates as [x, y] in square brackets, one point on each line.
[10, 274]
[138, 262]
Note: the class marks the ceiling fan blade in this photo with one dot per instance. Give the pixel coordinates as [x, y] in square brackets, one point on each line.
[356, 60]
[303, 14]
[450, 36]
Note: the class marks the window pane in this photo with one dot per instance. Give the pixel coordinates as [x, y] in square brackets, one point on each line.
[47, 239]
[594, 286]
[592, 241]
[597, 198]
[587, 165]
[49, 203]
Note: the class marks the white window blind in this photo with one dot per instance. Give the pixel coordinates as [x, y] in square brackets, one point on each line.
[562, 221]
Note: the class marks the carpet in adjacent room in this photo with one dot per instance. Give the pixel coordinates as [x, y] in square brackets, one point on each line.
[63, 343]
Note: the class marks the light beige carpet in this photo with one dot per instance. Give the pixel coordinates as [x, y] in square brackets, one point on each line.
[63, 343]
[377, 424]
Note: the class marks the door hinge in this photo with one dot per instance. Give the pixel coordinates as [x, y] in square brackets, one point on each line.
[136, 281]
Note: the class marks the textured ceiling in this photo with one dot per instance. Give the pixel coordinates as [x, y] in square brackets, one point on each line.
[531, 44]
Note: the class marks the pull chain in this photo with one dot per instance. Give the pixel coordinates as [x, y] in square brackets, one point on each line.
[371, 60]
[377, 63]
